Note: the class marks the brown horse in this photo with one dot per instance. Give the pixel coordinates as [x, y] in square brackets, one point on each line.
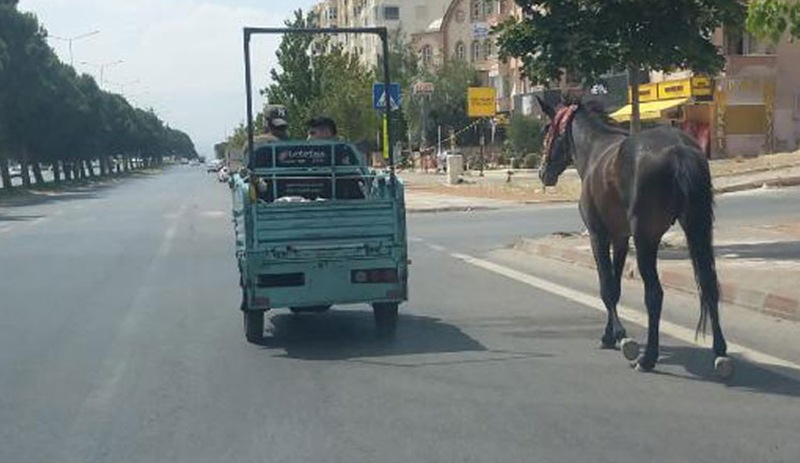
[637, 186]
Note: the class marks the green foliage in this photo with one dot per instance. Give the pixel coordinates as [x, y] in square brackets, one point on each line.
[48, 113]
[770, 19]
[524, 135]
[317, 78]
[590, 37]
[447, 106]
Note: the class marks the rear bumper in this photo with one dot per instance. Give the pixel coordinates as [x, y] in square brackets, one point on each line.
[319, 283]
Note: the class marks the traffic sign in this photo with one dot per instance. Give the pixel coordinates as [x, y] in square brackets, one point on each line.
[424, 88]
[379, 96]
[482, 102]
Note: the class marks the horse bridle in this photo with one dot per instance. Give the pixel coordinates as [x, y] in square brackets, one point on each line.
[557, 128]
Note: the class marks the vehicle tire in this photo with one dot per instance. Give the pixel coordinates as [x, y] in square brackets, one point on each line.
[311, 309]
[253, 325]
[385, 318]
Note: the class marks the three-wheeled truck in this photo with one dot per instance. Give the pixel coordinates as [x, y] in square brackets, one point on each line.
[315, 226]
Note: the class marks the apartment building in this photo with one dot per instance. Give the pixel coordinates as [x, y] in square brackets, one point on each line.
[406, 17]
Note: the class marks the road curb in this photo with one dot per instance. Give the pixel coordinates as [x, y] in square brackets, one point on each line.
[773, 182]
[434, 210]
[774, 304]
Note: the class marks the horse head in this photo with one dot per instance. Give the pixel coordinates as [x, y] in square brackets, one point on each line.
[556, 154]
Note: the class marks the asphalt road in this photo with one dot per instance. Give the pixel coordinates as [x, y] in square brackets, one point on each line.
[120, 341]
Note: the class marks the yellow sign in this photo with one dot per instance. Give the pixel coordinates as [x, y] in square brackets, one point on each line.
[702, 86]
[674, 89]
[482, 102]
[647, 92]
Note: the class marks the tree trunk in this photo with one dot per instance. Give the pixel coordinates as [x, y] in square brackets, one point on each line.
[57, 172]
[80, 170]
[4, 174]
[633, 81]
[118, 165]
[67, 171]
[126, 164]
[103, 166]
[26, 174]
[89, 167]
[37, 174]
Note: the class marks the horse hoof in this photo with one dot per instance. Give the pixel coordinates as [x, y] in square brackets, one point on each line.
[723, 366]
[630, 348]
[641, 368]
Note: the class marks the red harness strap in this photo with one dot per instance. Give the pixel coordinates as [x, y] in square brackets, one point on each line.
[558, 127]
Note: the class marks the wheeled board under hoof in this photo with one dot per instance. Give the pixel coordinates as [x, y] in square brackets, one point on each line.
[723, 367]
[630, 348]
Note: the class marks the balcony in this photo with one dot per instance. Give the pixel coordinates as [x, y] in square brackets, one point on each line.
[736, 64]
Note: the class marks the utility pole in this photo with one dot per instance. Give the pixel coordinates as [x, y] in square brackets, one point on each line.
[103, 67]
[74, 38]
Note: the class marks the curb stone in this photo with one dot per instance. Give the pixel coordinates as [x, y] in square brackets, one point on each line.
[773, 304]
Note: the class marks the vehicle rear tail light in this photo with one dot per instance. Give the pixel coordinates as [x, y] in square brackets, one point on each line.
[376, 275]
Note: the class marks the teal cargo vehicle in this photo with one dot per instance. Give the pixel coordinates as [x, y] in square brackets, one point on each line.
[315, 227]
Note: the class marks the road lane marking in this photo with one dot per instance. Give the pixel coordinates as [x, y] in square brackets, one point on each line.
[436, 247]
[171, 232]
[774, 364]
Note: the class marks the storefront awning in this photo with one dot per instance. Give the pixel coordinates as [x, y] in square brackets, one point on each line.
[648, 111]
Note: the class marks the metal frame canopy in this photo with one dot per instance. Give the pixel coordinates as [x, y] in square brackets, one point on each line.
[381, 32]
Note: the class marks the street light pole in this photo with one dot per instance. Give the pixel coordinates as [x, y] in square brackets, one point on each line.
[103, 67]
[74, 38]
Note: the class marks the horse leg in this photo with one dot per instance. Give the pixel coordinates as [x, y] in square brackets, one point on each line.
[608, 290]
[620, 247]
[701, 251]
[646, 257]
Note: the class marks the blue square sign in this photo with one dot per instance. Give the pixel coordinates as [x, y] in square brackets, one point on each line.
[379, 96]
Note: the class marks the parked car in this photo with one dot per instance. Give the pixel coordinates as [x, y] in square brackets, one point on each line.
[213, 165]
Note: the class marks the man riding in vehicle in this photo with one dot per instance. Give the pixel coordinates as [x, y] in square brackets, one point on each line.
[322, 128]
[275, 125]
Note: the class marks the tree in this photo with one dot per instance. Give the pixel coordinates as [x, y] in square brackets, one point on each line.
[447, 106]
[770, 19]
[591, 37]
[316, 77]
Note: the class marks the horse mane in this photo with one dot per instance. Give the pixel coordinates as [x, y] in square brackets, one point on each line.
[597, 114]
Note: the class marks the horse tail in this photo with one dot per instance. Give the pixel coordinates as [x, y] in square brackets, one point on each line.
[696, 215]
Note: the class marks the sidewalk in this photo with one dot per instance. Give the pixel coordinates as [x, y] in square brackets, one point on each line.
[729, 175]
[758, 266]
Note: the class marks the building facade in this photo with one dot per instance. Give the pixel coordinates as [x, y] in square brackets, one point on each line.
[406, 17]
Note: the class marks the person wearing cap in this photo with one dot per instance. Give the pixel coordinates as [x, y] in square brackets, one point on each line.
[276, 125]
[322, 128]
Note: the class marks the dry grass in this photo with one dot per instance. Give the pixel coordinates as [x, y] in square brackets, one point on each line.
[737, 166]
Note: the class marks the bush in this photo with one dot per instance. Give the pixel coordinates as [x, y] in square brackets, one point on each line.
[524, 136]
[531, 161]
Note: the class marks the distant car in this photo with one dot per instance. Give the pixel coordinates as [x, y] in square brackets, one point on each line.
[194, 163]
[184, 161]
[213, 165]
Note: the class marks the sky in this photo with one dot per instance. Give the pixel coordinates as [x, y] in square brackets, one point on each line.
[183, 58]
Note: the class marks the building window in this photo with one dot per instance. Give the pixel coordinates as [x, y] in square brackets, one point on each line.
[476, 51]
[391, 13]
[488, 7]
[332, 13]
[487, 49]
[477, 10]
[427, 55]
[461, 51]
[743, 44]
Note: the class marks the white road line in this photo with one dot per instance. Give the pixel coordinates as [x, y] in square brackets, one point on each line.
[436, 247]
[774, 364]
[6, 229]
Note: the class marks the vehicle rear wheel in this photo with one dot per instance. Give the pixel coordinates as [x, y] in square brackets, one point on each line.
[253, 325]
[311, 309]
[385, 318]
